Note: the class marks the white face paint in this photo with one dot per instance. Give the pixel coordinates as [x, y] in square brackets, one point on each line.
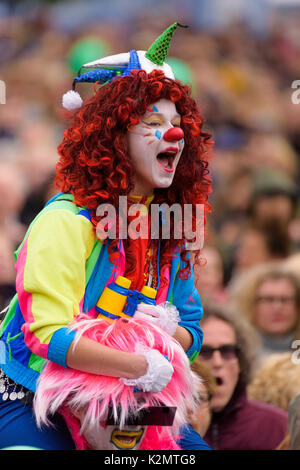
[102, 437]
[113, 438]
[155, 158]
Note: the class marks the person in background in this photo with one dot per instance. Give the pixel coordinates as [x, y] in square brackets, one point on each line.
[292, 264]
[275, 196]
[209, 276]
[200, 419]
[11, 200]
[7, 271]
[277, 382]
[269, 297]
[294, 422]
[238, 423]
[261, 242]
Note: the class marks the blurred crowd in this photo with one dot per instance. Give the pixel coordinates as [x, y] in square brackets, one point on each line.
[250, 262]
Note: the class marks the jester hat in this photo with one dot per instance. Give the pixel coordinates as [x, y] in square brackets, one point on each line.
[108, 68]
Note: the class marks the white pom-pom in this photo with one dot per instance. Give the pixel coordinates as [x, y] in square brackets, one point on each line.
[72, 100]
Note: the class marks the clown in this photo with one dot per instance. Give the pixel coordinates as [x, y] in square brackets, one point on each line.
[137, 419]
[140, 136]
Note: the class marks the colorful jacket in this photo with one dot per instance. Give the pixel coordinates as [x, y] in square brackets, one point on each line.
[62, 269]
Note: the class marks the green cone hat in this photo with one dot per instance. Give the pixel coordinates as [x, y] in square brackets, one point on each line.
[158, 51]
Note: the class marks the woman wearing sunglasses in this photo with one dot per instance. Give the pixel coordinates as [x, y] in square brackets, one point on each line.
[229, 348]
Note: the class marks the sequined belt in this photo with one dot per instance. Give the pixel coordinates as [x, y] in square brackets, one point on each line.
[10, 390]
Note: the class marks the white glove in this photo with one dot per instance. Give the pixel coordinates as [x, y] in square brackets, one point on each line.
[165, 315]
[158, 374]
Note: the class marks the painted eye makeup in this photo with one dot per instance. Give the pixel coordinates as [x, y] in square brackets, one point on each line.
[153, 121]
[154, 124]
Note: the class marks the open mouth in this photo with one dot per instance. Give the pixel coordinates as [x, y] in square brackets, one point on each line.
[219, 381]
[166, 159]
[126, 439]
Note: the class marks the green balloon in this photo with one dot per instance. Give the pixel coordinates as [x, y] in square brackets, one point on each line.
[182, 71]
[86, 50]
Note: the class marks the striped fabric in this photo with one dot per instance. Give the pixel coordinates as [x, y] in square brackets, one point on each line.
[62, 269]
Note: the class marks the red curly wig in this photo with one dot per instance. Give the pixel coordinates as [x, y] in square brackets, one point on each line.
[95, 164]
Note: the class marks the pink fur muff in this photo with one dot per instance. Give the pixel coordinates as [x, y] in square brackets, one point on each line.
[67, 390]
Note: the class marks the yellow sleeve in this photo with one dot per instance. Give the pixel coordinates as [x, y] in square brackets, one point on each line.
[51, 275]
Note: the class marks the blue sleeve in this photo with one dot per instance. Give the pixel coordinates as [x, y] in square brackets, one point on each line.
[59, 345]
[191, 440]
[187, 300]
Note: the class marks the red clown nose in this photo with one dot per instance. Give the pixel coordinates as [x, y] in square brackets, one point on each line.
[173, 135]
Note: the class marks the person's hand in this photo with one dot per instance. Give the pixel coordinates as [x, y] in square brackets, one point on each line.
[165, 315]
[158, 375]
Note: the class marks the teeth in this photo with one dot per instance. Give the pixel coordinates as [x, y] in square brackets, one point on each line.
[126, 440]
